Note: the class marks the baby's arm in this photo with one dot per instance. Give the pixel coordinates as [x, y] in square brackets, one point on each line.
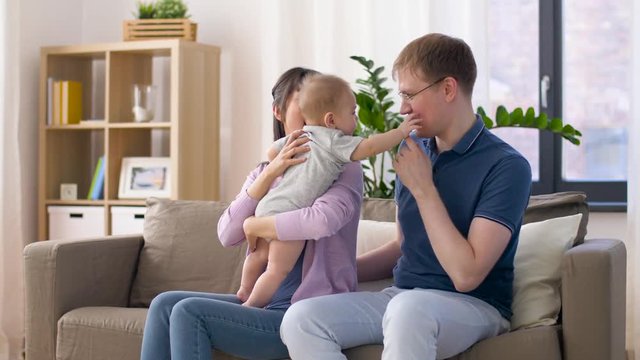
[272, 152]
[375, 144]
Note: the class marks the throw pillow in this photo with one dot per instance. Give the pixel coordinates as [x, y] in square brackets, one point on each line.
[182, 252]
[538, 259]
[373, 234]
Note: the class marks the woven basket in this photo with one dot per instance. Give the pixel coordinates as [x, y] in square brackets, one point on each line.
[150, 29]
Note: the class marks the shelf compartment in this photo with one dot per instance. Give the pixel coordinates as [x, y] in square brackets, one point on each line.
[71, 157]
[146, 67]
[88, 69]
[133, 142]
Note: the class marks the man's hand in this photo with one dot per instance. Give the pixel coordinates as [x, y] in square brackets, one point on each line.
[413, 167]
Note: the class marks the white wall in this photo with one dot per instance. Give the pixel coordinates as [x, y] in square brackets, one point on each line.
[603, 225]
[40, 23]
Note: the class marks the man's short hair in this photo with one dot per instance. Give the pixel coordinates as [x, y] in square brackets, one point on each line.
[434, 56]
[320, 94]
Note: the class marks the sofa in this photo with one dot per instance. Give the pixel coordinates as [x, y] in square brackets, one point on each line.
[86, 299]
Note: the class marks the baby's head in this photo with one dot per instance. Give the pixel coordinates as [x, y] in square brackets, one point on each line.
[327, 100]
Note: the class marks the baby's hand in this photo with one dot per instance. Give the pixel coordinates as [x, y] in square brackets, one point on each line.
[409, 125]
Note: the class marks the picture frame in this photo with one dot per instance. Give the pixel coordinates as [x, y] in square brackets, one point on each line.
[143, 177]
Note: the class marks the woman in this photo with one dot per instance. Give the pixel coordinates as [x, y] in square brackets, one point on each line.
[188, 325]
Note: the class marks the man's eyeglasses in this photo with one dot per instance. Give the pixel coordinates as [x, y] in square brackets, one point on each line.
[409, 97]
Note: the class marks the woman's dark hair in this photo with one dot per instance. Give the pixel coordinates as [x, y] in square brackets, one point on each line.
[287, 84]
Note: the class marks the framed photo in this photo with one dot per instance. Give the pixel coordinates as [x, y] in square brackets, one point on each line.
[142, 177]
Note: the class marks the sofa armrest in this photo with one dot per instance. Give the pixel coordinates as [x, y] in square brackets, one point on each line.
[61, 275]
[593, 300]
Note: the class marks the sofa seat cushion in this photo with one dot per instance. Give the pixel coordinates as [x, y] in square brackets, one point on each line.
[95, 333]
[528, 344]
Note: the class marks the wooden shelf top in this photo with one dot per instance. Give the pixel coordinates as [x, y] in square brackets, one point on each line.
[101, 202]
[101, 125]
[160, 47]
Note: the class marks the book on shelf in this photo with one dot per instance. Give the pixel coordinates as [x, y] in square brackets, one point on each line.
[50, 101]
[57, 105]
[71, 102]
[96, 190]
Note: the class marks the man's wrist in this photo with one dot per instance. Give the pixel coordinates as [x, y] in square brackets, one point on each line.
[425, 192]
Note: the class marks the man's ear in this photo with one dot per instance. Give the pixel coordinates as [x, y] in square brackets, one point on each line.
[450, 89]
[330, 120]
[277, 113]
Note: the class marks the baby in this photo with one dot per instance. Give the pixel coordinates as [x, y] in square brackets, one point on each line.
[328, 106]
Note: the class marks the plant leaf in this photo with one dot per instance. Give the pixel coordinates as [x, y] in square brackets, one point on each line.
[556, 125]
[502, 116]
[542, 121]
[529, 117]
[517, 116]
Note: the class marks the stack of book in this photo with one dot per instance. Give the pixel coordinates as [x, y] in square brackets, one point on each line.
[96, 190]
[64, 102]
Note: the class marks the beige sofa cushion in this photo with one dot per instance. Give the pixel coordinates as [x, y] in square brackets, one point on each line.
[537, 270]
[100, 333]
[536, 292]
[182, 251]
[549, 206]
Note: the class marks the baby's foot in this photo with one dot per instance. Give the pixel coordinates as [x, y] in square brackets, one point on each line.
[243, 294]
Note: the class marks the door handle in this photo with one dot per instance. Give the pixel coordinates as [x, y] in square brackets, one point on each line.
[545, 86]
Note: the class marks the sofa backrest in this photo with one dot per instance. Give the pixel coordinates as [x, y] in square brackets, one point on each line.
[540, 208]
[182, 250]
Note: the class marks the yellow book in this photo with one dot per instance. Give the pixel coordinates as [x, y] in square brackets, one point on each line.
[71, 102]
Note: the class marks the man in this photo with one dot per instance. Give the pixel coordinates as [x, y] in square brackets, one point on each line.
[461, 193]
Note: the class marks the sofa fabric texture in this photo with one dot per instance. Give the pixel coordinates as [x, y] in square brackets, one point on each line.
[181, 251]
[85, 298]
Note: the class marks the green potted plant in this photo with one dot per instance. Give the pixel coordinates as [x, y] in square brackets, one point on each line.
[171, 9]
[145, 10]
[374, 116]
[171, 15]
[519, 118]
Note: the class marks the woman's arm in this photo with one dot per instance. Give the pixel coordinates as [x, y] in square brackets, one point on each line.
[329, 213]
[230, 231]
[326, 216]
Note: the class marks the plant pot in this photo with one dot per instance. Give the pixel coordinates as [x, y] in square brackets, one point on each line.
[153, 29]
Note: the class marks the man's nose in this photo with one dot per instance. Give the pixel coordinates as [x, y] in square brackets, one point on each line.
[405, 107]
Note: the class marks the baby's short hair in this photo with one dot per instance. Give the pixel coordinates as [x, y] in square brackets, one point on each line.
[320, 94]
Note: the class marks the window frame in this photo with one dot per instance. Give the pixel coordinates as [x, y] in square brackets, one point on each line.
[601, 195]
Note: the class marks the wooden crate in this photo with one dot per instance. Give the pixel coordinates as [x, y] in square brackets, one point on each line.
[150, 29]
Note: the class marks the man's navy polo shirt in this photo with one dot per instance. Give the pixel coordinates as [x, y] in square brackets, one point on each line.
[480, 176]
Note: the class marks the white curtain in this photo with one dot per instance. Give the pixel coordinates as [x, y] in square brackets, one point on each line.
[13, 227]
[633, 197]
[322, 34]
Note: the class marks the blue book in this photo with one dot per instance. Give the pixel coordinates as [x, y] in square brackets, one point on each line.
[98, 188]
[94, 178]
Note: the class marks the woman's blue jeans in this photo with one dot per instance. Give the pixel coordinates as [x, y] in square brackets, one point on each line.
[184, 325]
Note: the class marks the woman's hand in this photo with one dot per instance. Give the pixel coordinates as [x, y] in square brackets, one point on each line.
[288, 155]
[259, 227]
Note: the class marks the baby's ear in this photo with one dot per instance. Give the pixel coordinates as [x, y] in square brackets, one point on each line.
[330, 120]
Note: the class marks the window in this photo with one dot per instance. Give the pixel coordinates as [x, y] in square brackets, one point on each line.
[584, 48]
